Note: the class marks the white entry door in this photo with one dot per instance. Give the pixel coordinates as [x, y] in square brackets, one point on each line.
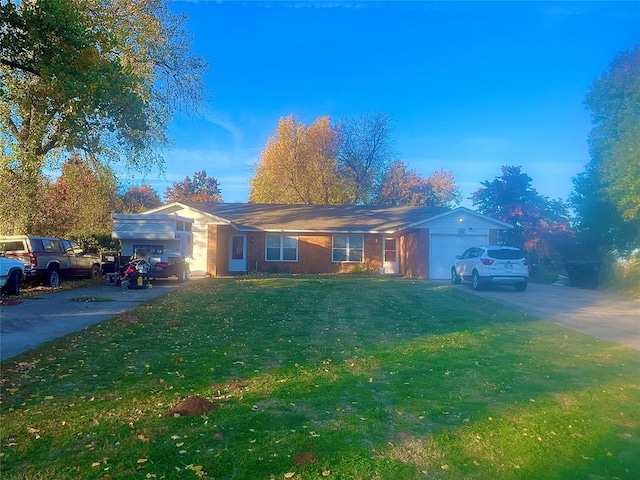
[390, 256]
[238, 253]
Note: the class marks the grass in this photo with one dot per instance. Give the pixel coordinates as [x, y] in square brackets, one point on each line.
[342, 377]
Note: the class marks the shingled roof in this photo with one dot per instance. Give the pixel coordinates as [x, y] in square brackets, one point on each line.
[318, 218]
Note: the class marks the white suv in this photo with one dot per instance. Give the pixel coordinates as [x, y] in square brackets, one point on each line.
[491, 265]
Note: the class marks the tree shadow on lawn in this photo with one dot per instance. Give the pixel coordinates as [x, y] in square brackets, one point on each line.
[434, 400]
[447, 386]
[422, 372]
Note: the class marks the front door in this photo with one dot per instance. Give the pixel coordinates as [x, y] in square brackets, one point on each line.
[391, 256]
[238, 253]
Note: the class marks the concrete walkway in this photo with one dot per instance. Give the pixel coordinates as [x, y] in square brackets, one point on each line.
[603, 315]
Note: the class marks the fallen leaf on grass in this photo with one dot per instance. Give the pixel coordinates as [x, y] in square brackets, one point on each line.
[197, 469]
[142, 460]
[289, 474]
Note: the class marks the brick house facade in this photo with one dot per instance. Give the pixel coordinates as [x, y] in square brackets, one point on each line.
[416, 242]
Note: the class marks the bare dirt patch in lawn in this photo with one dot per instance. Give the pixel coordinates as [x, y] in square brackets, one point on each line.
[192, 406]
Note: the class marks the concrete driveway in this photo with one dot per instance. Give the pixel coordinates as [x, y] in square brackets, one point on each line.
[602, 315]
[32, 321]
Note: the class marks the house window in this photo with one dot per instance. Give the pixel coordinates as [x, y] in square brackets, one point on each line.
[281, 248]
[152, 249]
[183, 226]
[347, 248]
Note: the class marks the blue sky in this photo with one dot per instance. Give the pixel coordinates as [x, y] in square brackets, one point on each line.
[471, 86]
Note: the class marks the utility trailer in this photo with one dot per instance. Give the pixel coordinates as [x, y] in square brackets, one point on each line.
[163, 241]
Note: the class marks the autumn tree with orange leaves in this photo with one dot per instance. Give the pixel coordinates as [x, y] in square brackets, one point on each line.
[349, 163]
[140, 198]
[298, 166]
[201, 188]
[404, 186]
[82, 198]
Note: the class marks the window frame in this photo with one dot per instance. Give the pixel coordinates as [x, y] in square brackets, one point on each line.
[281, 247]
[348, 249]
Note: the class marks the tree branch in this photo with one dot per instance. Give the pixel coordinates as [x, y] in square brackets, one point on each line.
[19, 66]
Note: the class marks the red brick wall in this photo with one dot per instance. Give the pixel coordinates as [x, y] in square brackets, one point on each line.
[414, 251]
[222, 255]
[212, 248]
[255, 250]
[314, 254]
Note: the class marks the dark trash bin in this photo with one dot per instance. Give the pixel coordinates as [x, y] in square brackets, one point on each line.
[583, 274]
[110, 262]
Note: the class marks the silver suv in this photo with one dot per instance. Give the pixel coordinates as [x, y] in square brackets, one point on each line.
[50, 258]
[491, 265]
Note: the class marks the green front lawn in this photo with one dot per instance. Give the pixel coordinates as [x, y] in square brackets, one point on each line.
[322, 377]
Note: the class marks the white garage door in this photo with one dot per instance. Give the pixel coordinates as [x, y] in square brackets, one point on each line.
[444, 248]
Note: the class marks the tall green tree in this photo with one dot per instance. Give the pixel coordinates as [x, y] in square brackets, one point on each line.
[200, 188]
[539, 223]
[96, 79]
[606, 195]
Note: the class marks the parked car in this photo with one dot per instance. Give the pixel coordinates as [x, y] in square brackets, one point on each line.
[48, 259]
[11, 275]
[491, 265]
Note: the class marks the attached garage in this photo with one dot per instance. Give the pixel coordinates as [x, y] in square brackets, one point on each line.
[451, 233]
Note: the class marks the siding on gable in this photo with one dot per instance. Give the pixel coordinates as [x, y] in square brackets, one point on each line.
[464, 223]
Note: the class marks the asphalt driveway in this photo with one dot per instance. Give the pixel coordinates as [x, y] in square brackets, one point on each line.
[603, 315]
[32, 321]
